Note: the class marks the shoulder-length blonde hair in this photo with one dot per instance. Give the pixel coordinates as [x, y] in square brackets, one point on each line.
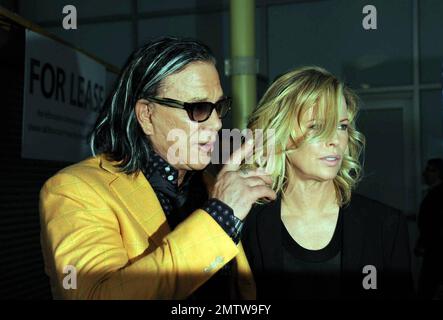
[285, 102]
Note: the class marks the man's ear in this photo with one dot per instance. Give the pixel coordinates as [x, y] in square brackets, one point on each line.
[143, 112]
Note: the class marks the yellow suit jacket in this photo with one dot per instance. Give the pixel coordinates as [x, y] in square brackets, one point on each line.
[105, 236]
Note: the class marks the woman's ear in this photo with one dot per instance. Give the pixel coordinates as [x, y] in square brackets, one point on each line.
[143, 112]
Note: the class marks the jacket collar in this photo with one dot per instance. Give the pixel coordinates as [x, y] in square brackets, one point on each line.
[140, 199]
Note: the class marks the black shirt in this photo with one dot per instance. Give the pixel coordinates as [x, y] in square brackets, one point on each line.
[312, 273]
[372, 234]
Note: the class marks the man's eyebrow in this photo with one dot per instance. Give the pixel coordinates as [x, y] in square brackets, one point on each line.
[200, 99]
[345, 119]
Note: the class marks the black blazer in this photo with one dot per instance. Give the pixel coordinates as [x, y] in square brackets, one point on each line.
[373, 234]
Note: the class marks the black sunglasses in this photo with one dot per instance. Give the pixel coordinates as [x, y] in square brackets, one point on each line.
[197, 111]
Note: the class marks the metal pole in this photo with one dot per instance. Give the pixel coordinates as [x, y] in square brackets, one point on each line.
[243, 63]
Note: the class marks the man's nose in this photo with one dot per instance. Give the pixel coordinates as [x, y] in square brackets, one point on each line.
[213, 122]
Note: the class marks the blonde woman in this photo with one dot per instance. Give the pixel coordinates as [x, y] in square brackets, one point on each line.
[318, 240]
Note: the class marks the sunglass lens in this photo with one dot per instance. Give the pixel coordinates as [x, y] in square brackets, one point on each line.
[223, 107]
[201, 111]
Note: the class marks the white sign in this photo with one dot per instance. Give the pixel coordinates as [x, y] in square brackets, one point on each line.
[63, 92]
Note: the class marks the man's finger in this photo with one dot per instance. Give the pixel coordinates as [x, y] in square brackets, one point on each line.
[255, 181]
[260, 172]
[261, 191]
[259, 180]
[238, 155]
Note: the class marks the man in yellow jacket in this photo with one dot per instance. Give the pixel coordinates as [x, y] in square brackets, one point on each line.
[140, 219]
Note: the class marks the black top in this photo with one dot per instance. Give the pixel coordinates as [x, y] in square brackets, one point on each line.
[373, 234]
[312, 273]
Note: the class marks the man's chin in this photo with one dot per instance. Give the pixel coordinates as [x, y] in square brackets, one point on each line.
[199, 165]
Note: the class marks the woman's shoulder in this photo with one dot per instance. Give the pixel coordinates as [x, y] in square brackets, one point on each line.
[370, 210]
[361, 201]
[264, 208]
[262, 213]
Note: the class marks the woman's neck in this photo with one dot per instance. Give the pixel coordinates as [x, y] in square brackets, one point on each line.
[304, 197]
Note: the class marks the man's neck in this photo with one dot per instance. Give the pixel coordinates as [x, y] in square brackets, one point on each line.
[181, 176]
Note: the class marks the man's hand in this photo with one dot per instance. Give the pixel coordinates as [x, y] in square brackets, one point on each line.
[240, 189]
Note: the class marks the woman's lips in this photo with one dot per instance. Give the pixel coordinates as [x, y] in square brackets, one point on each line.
[331, 160]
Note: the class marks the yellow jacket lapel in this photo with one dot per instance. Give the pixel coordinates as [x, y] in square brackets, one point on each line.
[138, 196]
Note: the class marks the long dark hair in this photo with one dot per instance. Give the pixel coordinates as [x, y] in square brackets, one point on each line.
[117, 133]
